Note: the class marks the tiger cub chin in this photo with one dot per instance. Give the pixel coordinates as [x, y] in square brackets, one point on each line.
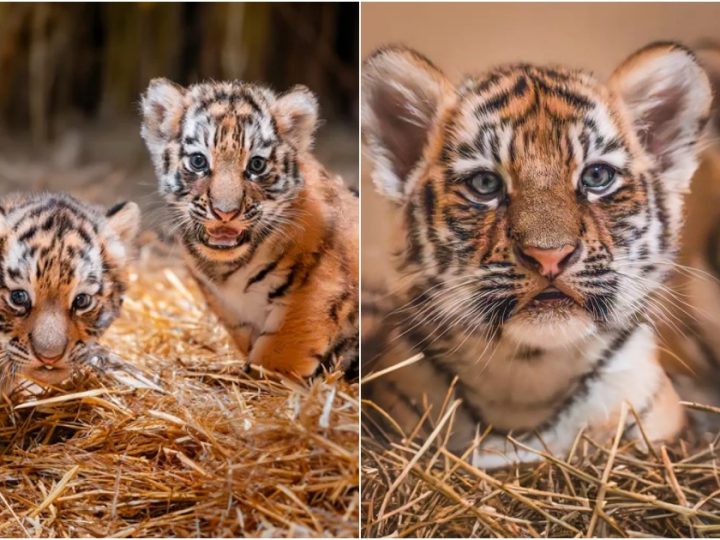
[63, 273]
[540, 210]
[269, 235]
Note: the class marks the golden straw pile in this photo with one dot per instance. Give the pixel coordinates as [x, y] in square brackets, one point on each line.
[213, 451]
[415, 489]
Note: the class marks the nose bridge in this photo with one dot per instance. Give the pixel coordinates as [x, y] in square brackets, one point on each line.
[226, 190]
[50, 332]
[545, 218]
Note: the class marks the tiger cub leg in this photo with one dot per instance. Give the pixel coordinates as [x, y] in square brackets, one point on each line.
[300, 334]
[240, 332]
[664, 417]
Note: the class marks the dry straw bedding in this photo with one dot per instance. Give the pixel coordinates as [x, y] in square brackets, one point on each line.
[416, 488]
[214, 450]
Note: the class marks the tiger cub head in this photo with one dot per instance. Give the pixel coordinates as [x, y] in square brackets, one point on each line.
[226, 156]
[538, 201]
[63, 272]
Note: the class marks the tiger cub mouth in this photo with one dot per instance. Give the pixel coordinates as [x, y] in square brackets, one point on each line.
[223, 237]
[550, 298]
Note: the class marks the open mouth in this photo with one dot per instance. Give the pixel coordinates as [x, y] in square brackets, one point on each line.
[223, 237]
[550, 296]
[49, 374]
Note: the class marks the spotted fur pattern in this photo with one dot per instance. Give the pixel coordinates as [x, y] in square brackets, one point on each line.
[539, 354]
[269, 235]
[63, 274]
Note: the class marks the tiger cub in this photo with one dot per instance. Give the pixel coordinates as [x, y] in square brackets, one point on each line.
[269, 235]
[63, 274]
[539, 210]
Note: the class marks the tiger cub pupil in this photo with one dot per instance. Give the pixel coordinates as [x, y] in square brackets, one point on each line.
[63, 274]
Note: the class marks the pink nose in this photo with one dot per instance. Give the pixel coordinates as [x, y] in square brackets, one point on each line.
[550, 262]
[49, 361]
[224, 216]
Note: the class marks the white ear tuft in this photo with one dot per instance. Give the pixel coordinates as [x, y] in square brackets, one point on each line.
[162, 106]
[3, 222]
[667, 95]
[709, 58]
[296, 115]
[121, 227]
[402, 94]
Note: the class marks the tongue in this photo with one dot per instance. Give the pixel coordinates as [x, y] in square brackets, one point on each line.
[224, 233]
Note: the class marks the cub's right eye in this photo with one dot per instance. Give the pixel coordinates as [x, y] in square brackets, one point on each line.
[198, 162]
[20, 298]
[485, 186]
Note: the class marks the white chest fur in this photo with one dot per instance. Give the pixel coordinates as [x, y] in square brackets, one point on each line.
[241, 300]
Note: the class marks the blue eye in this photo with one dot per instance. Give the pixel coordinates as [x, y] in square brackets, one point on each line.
[198, 162]
[257, 165]
[20, 298]
[82, 301]
[485, 185]
[598, 177]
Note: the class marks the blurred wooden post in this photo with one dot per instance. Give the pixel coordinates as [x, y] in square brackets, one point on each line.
[38, 64]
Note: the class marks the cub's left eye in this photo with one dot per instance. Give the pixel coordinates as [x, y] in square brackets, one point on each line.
[257, 165]
[20, 298]
[485, 185]
[82, 301]
[198, 162]
[598, 177]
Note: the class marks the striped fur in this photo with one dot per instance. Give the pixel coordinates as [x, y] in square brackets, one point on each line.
[55, 249]
[269, 235]
[489, 175]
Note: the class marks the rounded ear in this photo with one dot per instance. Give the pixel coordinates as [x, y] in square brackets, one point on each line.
[3, 223]
[709, 58]
[162, 106]
[402, 95]
[296, 116]
[122, 223]
[667, 95]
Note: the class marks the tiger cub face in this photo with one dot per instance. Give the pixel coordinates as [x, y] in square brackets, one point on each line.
[62, 279]
[536, 200]
[226, 158]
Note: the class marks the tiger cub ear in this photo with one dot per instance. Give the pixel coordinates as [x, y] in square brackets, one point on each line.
[122, 223]
[709, 58]
[296, 116]
[402, 95]
[667, 95]
[162, 106]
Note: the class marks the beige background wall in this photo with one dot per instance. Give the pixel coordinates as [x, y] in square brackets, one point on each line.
[462, 38]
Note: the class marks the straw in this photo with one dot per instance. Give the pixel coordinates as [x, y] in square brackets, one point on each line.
[175, 437]
[416, 488]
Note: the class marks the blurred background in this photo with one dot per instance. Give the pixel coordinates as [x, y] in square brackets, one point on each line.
[467, 38]
[73, 75]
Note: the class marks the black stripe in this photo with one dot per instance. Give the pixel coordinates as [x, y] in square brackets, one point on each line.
[281, 290]
[583, 389]
[262, 274]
